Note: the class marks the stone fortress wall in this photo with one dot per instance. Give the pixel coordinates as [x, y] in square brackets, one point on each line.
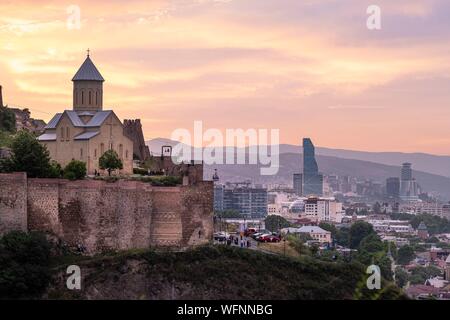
[101, 215]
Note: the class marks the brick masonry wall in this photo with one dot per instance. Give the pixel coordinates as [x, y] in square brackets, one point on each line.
[13, 202]
[102, 216]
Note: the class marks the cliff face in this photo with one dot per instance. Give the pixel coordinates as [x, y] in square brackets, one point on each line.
[218, 272]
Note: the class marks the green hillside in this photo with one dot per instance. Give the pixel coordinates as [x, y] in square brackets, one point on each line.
[217, 272]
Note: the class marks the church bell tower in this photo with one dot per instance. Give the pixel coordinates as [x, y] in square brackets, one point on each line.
[88, 87]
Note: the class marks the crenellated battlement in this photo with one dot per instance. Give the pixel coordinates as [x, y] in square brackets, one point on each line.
[133, 130]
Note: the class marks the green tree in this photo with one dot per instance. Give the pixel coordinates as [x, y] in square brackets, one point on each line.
[29, 156]
[372, 243]
[110, 161]
[405, 254]
[343, 237]
[7, 120]
[275, 223]
[329, 227]
[401, 277]
[75, 170]
[358, 231]
[420, 274]
[24, 265]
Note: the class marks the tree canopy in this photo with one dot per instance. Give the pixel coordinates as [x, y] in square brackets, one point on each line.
[29, 156]
[405, 255]
[110, 161]
[358, 231]
[275, 223]
[24, 265]
[7, 120]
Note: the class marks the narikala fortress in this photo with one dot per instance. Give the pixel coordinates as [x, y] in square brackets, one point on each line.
[99, 215]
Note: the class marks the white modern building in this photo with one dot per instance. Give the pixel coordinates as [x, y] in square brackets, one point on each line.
[324, 209]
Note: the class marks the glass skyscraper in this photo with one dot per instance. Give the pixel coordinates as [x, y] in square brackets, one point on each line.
[241, 197]
[312, 179]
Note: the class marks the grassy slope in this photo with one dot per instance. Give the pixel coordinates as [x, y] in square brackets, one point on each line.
[216, 272]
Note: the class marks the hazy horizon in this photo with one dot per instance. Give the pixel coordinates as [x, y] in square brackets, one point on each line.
[309, 68]
[319, 147]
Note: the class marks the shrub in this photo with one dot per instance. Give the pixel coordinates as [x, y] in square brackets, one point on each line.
[140, 171]
[75, 170]
[24, 265]
[55, 170]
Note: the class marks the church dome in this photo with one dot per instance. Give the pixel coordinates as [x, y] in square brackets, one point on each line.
[88, 72]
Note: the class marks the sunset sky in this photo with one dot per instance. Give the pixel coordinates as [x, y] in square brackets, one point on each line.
[306, 67]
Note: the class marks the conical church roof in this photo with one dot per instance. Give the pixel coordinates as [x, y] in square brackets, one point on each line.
[88, 72]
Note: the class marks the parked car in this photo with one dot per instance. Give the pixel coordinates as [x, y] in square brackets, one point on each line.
[264, 237]
[221, 236]
[274, 238]
[256, 235]
[259, 233]
[250, 231]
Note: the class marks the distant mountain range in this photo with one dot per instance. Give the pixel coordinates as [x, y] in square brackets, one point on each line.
[432, 172]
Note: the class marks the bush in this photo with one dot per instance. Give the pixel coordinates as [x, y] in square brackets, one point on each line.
[24, 265]
[75, 170]
[165, 181]
[55, 170]
[140, 171]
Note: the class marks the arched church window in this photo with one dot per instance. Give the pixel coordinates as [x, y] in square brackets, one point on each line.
[68, 133]
[95, 153]
[62, 133]
[90, 97]
[121, 151]
[102, 149]
[81, 153]
[82, 97]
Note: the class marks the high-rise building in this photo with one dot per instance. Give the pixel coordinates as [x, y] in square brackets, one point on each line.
[393, 187]
[247, 200]
[312, 179]
[298, 184]
[408, 185]
[406, 171]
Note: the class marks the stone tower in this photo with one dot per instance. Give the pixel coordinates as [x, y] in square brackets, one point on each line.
[1, 97]
[88, 88]
[133, 130]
